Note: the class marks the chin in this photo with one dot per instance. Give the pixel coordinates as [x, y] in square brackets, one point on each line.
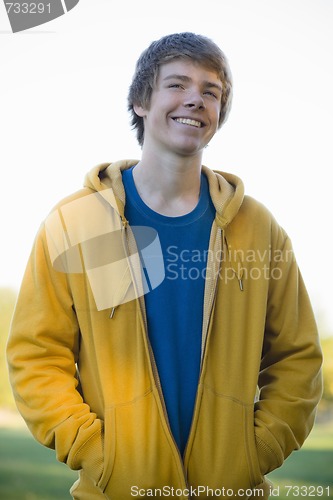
[189, 149]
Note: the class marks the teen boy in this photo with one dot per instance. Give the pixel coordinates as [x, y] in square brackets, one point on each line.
[199, 375]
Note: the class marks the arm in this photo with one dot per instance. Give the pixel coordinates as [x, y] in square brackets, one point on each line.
[290, 379]
[42, 351]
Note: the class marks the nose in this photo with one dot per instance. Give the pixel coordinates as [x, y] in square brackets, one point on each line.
[195, 100]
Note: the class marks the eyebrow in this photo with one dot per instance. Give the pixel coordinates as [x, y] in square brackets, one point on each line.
[185, 78]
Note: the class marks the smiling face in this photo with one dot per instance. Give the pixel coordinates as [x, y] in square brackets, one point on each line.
[184, 109]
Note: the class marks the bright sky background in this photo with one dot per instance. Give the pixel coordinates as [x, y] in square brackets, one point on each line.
[63, 109]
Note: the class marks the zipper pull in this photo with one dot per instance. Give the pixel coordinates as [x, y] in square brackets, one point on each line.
[113, 310]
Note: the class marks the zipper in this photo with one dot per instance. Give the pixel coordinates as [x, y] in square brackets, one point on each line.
[219, 236]
[204, 344]
[216, 271]
[151, 356]
[159, 387]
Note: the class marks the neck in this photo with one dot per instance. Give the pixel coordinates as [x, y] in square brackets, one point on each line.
[170, 187]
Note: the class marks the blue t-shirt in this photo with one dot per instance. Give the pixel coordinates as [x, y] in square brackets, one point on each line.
[175, 308]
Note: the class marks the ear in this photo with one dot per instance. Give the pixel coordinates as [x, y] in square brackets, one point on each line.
[140, 110]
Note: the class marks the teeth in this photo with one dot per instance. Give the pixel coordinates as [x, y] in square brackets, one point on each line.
[188, 121]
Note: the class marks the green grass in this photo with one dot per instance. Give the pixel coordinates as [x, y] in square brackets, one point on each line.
[28, 471]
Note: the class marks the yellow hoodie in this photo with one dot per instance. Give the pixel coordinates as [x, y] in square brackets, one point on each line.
[83, 372]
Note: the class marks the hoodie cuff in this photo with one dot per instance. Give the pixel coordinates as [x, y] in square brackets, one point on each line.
[90, 457]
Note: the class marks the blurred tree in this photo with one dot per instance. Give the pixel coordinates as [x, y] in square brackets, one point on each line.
[7, 303]
[327, 346]
[326, 340]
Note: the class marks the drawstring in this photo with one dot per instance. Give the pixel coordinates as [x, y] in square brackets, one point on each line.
[235, 263]
[125, 224]
[124, 221]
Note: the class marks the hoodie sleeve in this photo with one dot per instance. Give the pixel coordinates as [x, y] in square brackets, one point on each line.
[42, 350]
[290, 377]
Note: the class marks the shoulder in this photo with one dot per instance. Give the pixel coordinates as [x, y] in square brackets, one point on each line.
[254, 222]
[72, 198]
[251, 208]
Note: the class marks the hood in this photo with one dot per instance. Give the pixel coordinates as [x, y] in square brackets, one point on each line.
[104, 176]
[227, 193]
[226, 190]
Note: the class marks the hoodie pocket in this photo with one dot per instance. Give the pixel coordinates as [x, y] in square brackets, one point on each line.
[223, 451]
[251, 447]
[144, 456]
[109, 447]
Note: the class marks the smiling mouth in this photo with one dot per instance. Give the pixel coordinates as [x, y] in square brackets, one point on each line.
[188, 121]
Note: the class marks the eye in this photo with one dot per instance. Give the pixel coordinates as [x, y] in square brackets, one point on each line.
[211, 94]
[175, 86]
